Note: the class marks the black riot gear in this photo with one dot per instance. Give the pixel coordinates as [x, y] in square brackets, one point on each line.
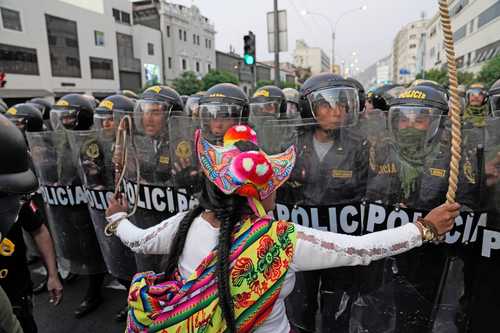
[361, 92]
[268, 100]
[15, 173]
[73, 112]
[494, 94]
[44, 106]
[192, 105]
[26, 117]
[128, 93]
[103, 115]
[432, 84]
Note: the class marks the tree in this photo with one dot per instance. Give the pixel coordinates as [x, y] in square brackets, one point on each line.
[490, 72]
[441, 76]
[214, 77]
[187, 83]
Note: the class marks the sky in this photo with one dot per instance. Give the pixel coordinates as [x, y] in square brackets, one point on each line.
[368, 33]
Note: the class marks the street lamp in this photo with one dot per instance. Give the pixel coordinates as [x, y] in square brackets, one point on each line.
[333, 27]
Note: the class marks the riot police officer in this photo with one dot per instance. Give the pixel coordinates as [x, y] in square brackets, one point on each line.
[72, 112]
[26, 117]
[410, 170]
[192, 106]
[292, 97]
[44, 106]
[476, 107]
[17, 179]
[103, 115]
[223, 106]
[331, 169]
[153, 112]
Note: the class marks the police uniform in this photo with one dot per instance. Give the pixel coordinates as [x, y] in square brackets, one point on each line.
[15, 277]
[339, 178]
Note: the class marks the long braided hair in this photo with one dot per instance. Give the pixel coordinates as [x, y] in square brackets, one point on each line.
[229, 211]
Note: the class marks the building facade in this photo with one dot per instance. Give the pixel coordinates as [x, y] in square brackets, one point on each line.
[51, 49]
[476, 32]
[233, 63]
[407, 51]
[188, 37]
[310, 57]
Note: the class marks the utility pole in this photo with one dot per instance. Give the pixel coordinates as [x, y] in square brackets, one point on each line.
[276, 45]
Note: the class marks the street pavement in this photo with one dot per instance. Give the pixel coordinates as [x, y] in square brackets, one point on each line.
[60, 319]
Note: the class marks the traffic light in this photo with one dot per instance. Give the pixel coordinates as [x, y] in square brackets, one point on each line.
[249, 48]
[3, 80]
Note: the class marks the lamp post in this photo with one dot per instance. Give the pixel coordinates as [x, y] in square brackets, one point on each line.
[333, 27]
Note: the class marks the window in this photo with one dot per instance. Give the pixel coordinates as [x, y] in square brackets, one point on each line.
[198, 40]
[101, 68]
[125, 18]
[63, 47]
[432, 52]
[185, 36]
[180, 34]
[116, 15]
[458, 7]
[18, 60]
[99, 38]
[433, 31]
[460, 33]
[169, 62]
[209, 43]
[489, 15]
[413, 46]
[206, 43]
[11, 19]
[151, 49]
[413, 36]
[209, 67]
[197, 66]
[168, 31]
[184, 64]
[194, 39]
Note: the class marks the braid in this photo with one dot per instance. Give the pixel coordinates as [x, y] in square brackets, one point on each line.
[223, 266]
[180, 240]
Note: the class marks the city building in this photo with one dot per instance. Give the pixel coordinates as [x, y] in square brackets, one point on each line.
[188, 37]
[287, 71]
[384, 70]
[310, 57]
[377, 74]
[51, 49]
[233, 63]
[476, 27]
[407, 51]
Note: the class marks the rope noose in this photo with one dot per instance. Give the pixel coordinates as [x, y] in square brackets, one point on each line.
[456, 125]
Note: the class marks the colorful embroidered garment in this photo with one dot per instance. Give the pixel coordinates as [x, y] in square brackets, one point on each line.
[260, 256]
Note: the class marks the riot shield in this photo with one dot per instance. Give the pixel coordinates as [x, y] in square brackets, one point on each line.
[416, 291]
[151, 191]
[325, 192]
[65, 203]
[93, 150]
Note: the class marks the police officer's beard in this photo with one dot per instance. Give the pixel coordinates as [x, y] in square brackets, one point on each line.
[412, 152]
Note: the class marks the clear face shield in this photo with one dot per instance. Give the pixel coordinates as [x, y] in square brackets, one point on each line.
[476, 97]
[19, 121]
[269, 108]
[154, 116]
[495, 105]
[192, 107]
[292, 110]
[217, 118]
[335, 108]
[103, 121]
[414, 129]
[63, 118]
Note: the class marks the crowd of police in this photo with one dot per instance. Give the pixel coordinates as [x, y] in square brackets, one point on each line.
[389, 146]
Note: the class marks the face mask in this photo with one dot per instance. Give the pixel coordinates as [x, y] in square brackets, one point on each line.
[411, 142]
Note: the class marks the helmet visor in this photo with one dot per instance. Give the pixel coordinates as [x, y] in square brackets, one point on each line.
[270, 108]
[334, 107]
[192, 107]
[495, 105]
[103, 121]
[63, 118]
[476, 96]
[292, 110]
[414, 128]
